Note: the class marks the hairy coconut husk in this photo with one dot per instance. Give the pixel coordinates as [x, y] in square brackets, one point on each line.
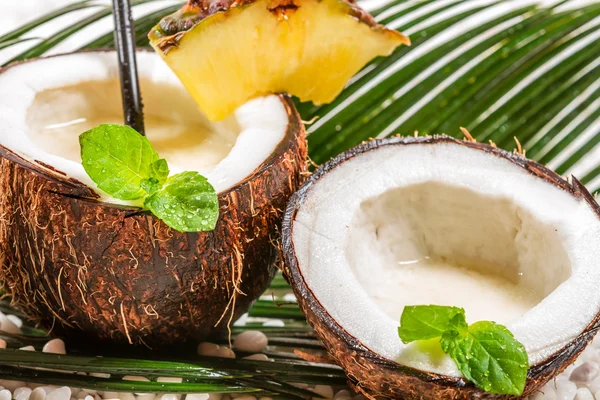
[380, 377]
[85, 268]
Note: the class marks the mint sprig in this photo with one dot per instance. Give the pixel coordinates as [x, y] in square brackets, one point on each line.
[486, 353]
[124, 164]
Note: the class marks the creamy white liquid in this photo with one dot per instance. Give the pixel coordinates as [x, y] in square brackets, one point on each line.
[432, 281]
[175, 128]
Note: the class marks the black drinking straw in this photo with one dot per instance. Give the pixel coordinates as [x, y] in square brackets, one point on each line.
[130, 86]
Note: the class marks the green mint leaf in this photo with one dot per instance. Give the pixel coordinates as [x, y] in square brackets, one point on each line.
[187, 202]
[488, 355]
[150, 185]
[428, 322]
[160, 170]
[117, 158]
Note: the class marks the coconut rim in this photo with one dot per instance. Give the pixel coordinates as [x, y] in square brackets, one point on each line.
[311, 305]
[84, 192]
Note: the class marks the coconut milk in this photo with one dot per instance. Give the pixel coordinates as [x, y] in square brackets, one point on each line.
[174, 125]
[434, 281]
[181, 145]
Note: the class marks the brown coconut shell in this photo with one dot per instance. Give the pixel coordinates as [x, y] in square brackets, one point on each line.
[84, 268]
[380, 377]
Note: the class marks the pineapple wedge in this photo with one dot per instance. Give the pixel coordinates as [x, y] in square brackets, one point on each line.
[227, 53]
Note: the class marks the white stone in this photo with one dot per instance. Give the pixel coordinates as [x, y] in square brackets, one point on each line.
[88, 397]
[257, 357]
[145, 396]
[197, 396]
[15, 320]
[7, 325]
[5, 395]
[584, 394]
[342, 394]
[565, 390]
[2, 344]
[324, 390]
[584, 373]
[22, 393]
[11, 385]
[38, 394]
[225, 352]
[110, 395]
[251, 341]
[126, 396]
[208, 349]
[170, 396]
[63, 393]
[55, 346]
[27, 348]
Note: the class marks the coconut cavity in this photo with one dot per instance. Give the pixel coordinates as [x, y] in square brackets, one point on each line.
[61, 97]
[436, 222]
[433, 243]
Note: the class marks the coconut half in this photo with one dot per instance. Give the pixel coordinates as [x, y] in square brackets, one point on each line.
[408, 221]
[76, 259]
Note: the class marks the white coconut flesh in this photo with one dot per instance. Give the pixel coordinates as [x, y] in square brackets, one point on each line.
[46, 104]
[449, 225]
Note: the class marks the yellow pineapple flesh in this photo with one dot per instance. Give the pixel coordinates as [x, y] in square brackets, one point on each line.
[226, 54]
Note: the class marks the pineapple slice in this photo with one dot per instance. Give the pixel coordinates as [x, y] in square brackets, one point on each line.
[227, 53]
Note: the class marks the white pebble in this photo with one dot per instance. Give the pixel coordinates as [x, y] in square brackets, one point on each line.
[38, 394]
[88, 397]
[541, 396]
[81, 395]
[208, 349]
[27, 348]
[5, 395]
[145, 396]
[170, 396]
[275, 323]
[251, 341]
[11, 385]
[324, 390]
[110, 395]
[63, 393]
[197, 396]
[342, 394]
[225, 352]
[15, 320]
[257, 357]
[584, 373]
[7, 325]
[565, 390]
[584, 394]
[2, 344]
[22, 393]
[55, 346]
